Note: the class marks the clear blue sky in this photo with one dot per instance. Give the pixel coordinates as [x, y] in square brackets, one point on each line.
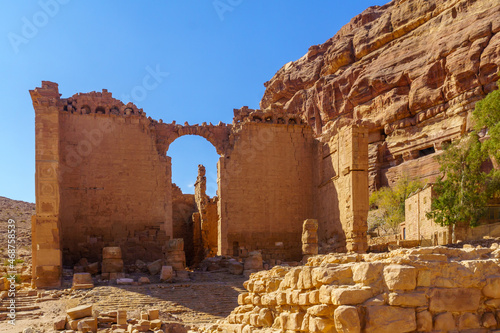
[217, 54]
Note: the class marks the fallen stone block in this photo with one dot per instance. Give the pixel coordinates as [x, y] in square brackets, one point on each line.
[112, 265]
[155, 324]
[254, 261]
[92, 268]
[235, 267]
[81, 311]
[112, 252]
[124, 281]
[87, 325]
[155, 267]
[60, 323]
[153, 314]
[82, 281]
[167, 273]
[121, 317]
[144, 280]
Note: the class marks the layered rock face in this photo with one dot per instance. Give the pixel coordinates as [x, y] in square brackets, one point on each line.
[411, 69]
[435, 289]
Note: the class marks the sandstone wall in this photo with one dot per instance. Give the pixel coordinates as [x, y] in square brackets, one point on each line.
[116, 192]
[426, 289]
[265, 189]
[183, 207]
[341, 191]
[208, 213]
[412, 69]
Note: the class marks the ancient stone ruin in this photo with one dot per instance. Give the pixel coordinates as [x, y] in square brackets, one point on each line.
[379, 99]
[433, 289]
[104, 179]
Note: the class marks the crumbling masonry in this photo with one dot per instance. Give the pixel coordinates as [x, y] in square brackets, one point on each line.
[103, 178]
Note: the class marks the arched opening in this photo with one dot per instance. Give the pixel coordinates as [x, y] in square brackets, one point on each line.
[194, 195]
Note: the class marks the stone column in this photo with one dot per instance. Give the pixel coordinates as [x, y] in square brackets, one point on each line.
[310, 237]
[45, 225]
[354, 186]
[175, 257]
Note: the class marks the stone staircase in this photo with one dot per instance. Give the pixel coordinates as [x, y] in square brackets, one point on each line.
[26, 306]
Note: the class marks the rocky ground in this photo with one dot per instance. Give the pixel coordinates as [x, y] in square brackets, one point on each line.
[196, 304]
[204, 299]
[21, 213]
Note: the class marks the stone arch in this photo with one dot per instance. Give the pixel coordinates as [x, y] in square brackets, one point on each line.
[217, 135]
[202, 240]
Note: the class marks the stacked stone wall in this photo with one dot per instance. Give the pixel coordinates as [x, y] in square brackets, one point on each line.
[406, 290]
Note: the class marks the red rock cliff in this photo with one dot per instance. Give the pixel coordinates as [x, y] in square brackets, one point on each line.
[411, 69]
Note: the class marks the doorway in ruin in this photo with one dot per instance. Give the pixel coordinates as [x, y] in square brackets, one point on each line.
[194, 195]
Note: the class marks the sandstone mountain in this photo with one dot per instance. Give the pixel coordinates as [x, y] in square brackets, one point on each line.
[411, 70]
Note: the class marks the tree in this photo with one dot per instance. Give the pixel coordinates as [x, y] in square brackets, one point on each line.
[461, 192]
[390, 203]
[464, 188]
[487, 116]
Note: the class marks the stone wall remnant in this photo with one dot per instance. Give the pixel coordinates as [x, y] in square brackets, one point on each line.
[112, 263]
[426, 289]
[114, 180]
[310, 237]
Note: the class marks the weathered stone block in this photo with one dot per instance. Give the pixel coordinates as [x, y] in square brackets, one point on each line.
[124, 281]
[327, 275]
[59, 323]
[294, 321]
[87, 324]
[424, 321]
[112, 266]
[176, 244]
[468, 321]
[454, 300]
[489, 320]
[254, 261]
[155, 324]
[408, 300]
[112, 252]
[348, 296]
[80, 312]
[321, 324]
[121, 317]
[167, 273]
[444, 322]
[235, 267]
[492, 287]
[82, 281]
[155, 267]
[400, 277]
[389, 319]
[265, 318]
[367, 272]
[325, 294]
[322, 310]
[347, 319]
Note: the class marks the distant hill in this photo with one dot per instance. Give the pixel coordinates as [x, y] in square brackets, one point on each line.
[20, 212]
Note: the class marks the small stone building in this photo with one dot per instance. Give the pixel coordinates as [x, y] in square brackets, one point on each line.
[418, 227]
